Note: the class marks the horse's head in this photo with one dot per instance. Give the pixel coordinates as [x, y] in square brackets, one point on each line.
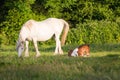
[20, 47]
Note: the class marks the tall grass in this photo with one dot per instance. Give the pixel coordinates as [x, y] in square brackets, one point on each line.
[103, 64]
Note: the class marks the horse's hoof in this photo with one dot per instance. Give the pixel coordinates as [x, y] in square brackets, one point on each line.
[38, 55]
[26, 56]
[55, 54]
[61, 53]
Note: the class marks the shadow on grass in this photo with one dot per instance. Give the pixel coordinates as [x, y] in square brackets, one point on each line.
[113, 55]
[105, 47]
[96, 47]
[66, 48]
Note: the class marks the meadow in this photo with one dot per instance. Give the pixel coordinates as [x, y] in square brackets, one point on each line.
[103, 64]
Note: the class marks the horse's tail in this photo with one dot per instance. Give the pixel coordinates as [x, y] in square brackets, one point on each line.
[65, 32]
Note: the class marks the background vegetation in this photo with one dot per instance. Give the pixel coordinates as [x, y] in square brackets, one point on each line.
[96, 22]
[91, 21]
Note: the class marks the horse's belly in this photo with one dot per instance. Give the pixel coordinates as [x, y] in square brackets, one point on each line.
[43, 31]
[44, 37]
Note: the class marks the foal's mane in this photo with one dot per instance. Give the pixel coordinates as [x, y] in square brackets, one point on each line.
[84, 45]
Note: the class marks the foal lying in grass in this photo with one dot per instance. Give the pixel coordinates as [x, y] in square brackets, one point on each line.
[83, 50]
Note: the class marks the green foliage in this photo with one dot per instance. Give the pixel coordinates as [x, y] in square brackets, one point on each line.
[98, 32]
[16, 17]
[90, 21]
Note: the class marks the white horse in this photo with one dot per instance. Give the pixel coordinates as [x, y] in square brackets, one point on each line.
[42, 31]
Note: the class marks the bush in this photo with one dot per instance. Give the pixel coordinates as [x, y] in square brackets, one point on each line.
[98, 32]
[90, 21]
[16, 17]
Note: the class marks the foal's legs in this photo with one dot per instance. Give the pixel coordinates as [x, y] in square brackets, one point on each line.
[36, 48]
[87, 53]
[26, 50]
[58, 45]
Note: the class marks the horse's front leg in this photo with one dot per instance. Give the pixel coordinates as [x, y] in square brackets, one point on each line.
[36, 48]
[26, 50]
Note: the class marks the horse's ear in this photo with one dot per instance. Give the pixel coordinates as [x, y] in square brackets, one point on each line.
[17, 45]
[22, 42]
[17, 42]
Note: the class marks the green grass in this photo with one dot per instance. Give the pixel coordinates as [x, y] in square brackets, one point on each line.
[103, 64]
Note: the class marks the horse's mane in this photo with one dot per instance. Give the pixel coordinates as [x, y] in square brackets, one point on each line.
[29, 24]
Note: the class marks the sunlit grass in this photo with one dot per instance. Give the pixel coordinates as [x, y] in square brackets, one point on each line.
[103, 64]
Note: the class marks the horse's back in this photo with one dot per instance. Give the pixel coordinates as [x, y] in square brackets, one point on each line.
[45, 23]
[40, 29]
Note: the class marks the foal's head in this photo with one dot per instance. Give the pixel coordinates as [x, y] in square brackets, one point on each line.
[20, 47]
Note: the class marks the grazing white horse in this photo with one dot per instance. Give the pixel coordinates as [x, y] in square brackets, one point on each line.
[42, 31]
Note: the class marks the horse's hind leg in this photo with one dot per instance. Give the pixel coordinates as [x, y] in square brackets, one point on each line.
[36, 48]
[26, 50]
[58, 48]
